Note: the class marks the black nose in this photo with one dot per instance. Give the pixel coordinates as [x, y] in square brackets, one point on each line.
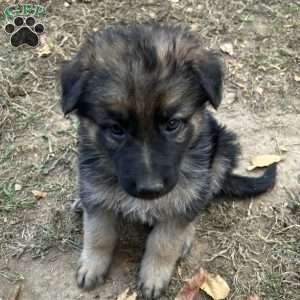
[149, 188]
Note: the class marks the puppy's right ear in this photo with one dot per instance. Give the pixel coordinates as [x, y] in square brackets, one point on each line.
[73, 80]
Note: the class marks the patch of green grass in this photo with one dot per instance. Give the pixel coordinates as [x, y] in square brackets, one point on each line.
[272, 286]
[60, 232]
[7, 153]
[291, 8]
[10, 201]
[41, 168]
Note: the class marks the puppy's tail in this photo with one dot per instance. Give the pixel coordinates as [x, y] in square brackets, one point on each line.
[244, 187]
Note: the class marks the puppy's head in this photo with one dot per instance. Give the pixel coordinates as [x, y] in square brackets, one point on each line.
[142, 90]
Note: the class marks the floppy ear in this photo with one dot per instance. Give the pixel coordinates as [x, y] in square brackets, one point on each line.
[73, 79]
[210, 72]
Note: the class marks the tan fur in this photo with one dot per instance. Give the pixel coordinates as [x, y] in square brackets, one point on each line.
[165, 245]
[99, 242]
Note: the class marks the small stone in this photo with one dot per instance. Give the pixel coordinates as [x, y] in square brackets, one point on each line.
[227, 48]
[297, 78]
[152, 15]
[259, 90]
[18, 187]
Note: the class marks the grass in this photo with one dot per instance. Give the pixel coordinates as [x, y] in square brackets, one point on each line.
[61, 231]
[272, 286]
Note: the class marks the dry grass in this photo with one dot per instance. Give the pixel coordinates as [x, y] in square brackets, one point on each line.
[257, 250]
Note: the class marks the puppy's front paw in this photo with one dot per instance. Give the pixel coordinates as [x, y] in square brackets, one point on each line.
[91, 271]
[154, 278]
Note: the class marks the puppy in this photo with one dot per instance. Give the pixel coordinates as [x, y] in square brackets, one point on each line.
[149, 150]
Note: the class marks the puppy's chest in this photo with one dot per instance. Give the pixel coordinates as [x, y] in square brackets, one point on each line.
[183, 202]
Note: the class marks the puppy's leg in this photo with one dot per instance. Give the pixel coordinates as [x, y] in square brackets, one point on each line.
[99, 241]
[165, 245]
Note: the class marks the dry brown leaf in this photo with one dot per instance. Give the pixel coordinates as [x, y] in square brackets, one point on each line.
[190, 289]
[227, 48]
[46, 48]
[212, 284]
[264, 160]
[215, 286]
[39, 194]
[132, 297]
[124, 295]
[253, 297]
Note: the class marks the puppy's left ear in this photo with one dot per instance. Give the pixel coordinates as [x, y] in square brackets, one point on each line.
[210, 72]
[73, 78]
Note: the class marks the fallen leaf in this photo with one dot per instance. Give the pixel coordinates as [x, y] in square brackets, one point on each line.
[215, 286]
[297, 78]
[39, 194]
[227, 48]
[191, 287]
[212, 284]
[261, 161]
[124, 295]
[253, 297]
[46, 48]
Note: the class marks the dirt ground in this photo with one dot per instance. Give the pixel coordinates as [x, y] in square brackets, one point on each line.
[254, 245]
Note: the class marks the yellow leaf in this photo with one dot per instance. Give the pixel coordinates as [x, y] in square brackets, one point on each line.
[39, 194]
[215, 286]
[132, 297]
[124, 296]
[265, 160]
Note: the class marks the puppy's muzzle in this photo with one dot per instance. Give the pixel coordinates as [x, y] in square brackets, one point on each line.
[148, 187]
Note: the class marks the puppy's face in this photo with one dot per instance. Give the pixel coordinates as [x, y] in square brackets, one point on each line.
[143, 90]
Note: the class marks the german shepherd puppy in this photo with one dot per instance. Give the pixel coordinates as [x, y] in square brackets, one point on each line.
[149, 150]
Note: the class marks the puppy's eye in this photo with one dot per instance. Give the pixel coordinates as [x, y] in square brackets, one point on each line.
[173, 125]
[117, 130]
